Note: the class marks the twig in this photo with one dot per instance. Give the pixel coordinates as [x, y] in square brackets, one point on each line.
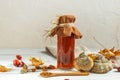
[117, 39]
[98, 42]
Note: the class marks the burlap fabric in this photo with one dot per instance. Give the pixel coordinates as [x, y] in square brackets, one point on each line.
[65, 27]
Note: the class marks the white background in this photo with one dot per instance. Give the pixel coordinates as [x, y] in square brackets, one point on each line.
[22, 22]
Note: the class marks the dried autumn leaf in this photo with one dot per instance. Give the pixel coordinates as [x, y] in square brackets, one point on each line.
[112, 49]
[117, 52]
[107, 53]
[92, 56]
[36, 62]
[4, 69]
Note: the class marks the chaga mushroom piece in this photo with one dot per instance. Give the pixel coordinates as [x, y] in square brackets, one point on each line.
[83, 63]
[102, 65]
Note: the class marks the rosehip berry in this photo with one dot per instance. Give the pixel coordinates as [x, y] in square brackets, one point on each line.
[19, 57]
[52, 67]
[113, 62]
[21, 64]
[118, 69]
[16, 62]
[66, 79]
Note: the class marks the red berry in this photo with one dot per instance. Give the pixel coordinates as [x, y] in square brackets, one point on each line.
[21, 64]
[16, 62]
[52, 67]
[66, 79]
[19, 57]
[113, 62]
[118, 69]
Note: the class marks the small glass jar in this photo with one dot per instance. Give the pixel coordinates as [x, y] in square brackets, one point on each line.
[65, 52]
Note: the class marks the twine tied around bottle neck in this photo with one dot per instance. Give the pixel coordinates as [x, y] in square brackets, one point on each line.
[55, 24]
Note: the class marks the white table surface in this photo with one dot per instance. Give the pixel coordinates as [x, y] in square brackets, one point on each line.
[7, 56]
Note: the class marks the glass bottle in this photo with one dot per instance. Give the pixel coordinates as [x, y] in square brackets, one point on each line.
[65, 51]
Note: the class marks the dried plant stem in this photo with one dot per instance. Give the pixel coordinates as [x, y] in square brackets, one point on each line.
[117, 39]
[98, 42]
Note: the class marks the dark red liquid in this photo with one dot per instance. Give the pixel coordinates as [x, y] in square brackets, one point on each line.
[65, 52]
